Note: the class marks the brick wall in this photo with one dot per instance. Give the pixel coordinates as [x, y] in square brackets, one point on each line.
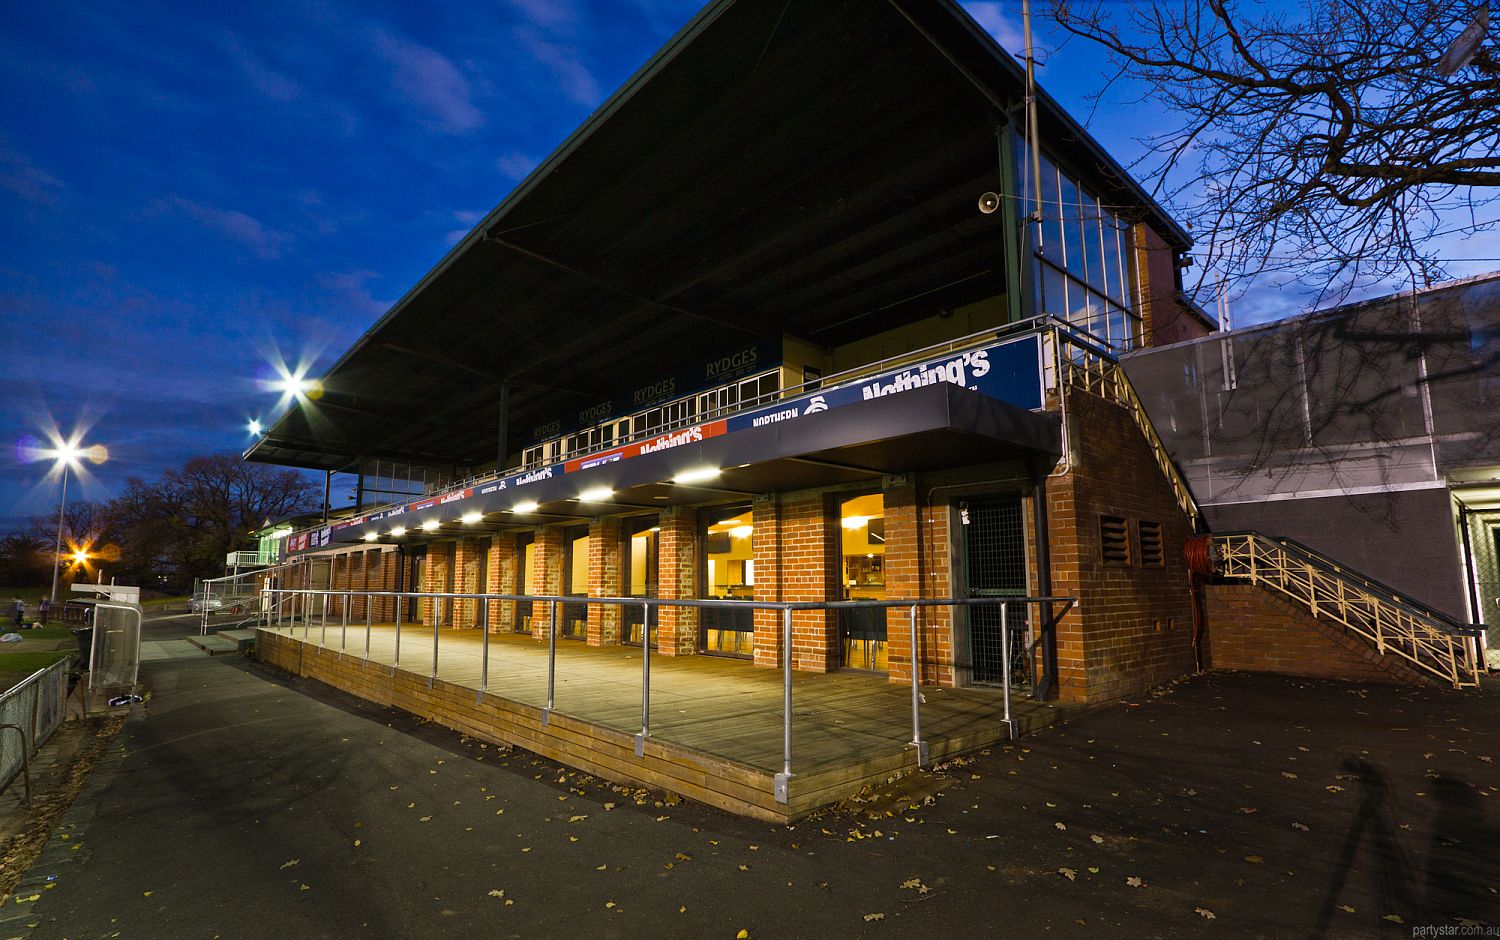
[466, 561]
[765, 515]
[1133, 627]
[1164, 319]
[918, 562]
[546, 577]
[604, 581]
[810, 571]
[436, 576]
[677, 577]
[505, 562]
[1253, 628]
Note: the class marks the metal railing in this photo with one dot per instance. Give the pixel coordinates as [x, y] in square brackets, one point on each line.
[1086, 366]
[1424, 639]
[307, 610]
[29, 713]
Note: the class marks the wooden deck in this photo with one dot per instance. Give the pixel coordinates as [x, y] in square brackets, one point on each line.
[716, 724]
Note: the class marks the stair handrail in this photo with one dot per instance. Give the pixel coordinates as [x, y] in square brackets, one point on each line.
[1384, 592]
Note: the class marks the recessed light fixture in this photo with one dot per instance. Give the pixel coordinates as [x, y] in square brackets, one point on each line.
[697, 475]
[371, 536]
[595, 494]
[469, 518]
[430, 525]
[525, 505]
[742, 531]
[855, 522]
[398, 531]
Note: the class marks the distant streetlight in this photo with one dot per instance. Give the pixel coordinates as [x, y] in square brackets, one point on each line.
[67, 454]
[254, 428]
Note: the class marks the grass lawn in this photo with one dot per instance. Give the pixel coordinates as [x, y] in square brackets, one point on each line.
[17, 666]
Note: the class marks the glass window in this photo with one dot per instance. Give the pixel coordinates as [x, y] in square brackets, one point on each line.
[1112, 271]
[862, 633]
[639, 540]
[727, 534]
[1051, 213]
[1073, 252]
[1093, 240]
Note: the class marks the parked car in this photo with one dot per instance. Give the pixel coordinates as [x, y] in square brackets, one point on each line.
[206, 603]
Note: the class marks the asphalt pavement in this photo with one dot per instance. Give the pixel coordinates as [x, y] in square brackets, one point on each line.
[240, 802]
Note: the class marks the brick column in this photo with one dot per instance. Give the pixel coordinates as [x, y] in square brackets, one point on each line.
[546, 578]
[765, 515]
[465, 581]
[677, 578]
[903, 579]
[504, 563]
[810, 572]
[604, 581]
[339, 581]
[435, 579]
[383, 578]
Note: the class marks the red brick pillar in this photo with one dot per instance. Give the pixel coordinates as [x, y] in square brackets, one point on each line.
[810, 572]
[1066, 552]
[677, 578]
[604, 581]
[766, 518]
[339, 581]
[465, 581]
[903, 579]
[383, 578]
[547, 577]
[435, 579]
[504, 563]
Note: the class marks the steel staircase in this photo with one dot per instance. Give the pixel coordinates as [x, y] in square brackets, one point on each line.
[1425, 639]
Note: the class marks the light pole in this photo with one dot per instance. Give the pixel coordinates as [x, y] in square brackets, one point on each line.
[66, 455]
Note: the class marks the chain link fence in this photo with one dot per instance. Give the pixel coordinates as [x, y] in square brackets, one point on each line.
[29, 713]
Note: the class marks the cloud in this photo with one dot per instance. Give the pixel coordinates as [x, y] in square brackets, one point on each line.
[515, 165]
[233, 224]
[29, 181]
[575, 81]
[997, 23]
[352, 288]
[548, 14]
[430, 81]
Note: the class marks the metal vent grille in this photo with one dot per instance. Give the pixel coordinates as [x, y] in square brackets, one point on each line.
[1114, 540]
[1152, 553]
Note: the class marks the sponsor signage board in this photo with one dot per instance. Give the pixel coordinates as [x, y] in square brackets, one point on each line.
[1009, 371]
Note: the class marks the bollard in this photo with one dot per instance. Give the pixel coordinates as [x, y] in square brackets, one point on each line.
[396, 658]
[551, 665]
[437, 624]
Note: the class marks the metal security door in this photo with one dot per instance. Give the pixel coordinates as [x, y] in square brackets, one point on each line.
[995, 565]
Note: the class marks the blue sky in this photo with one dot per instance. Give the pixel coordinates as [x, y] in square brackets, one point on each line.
[188, 191]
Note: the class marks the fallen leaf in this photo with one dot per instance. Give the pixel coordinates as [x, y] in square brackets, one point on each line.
[1134, 882]
[1297, 825]
[1288, 775]
[1254, 859]
[609, 904]
[1068, 873]
[1204, 912]
[291, 864]
[1393, 918]
[1096, 839]
[870, 917]
[497, 892]
[304, 888]
[574, 819]
[742, 935]
[1346, 909]
[1060, 826]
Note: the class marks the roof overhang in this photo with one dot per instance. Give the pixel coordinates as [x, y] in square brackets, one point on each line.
[934, 427]
[804, 169]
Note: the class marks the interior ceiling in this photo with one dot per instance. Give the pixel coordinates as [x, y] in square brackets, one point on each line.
[809, 169]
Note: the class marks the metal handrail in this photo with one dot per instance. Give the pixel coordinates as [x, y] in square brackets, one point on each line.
[1394, 627]
[290, 597]
[1439, 620]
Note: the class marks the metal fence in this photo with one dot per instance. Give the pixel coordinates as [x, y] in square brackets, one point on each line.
[29, 713]
[308, 611]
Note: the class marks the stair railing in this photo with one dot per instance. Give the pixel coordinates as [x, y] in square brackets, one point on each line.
[1395, 626]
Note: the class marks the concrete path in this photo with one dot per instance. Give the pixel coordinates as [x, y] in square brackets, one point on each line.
[241, 803]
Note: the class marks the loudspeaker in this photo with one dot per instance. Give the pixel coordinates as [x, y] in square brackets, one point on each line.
[989, 202]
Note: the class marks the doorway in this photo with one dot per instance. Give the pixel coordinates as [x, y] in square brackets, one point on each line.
[995, 566]
[727, 537]
[639, 551]
[575, 615]
[526, 554]
[862, 630]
